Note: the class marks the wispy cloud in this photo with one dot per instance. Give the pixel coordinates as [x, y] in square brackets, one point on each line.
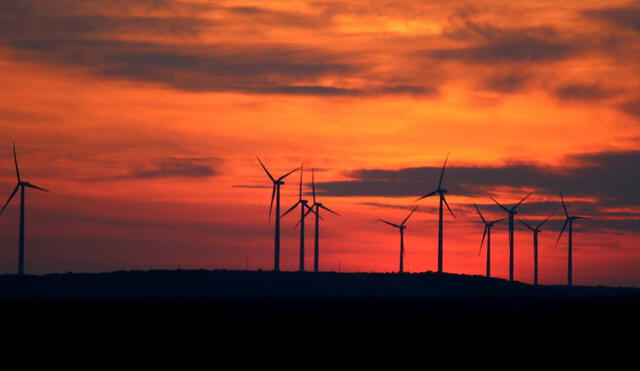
[171, 167]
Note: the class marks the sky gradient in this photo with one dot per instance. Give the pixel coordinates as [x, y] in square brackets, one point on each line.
[144, 121]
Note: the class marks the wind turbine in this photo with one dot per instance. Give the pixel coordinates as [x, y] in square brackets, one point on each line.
[401, 227]
[316, 209]
[487, 233]
[569, 220]
[440, 191]
[535, 231]
[303, 208]
[512, 212]
[21, 185]
[276, 193]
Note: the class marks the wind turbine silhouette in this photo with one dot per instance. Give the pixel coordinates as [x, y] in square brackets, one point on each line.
[303, 205]
[316, 209]
[276, 193]
[487, 233]
[21, 185]
[568, 221]
[440, 191]
[512, 212]
[535, 231]
[401, 227]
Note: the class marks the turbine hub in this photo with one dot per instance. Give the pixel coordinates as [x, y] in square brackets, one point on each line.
[304, 202]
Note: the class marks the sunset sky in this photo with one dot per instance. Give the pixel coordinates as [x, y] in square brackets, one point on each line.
[144, 119]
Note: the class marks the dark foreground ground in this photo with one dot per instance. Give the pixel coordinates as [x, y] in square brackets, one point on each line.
[293, 303]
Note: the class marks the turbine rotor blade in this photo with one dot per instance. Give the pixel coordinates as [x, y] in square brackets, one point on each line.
[563, 205]
[479, 213]
[526, 225]
[305, 215]
[315, 212]
[499, 204]
[15, 160]
[562, 231]
[448, 208]
[329, 210]
[498, 220]
[391, 224]
[290, 209]
[301, 173]
[442, 172]
[484, 234]
[309, 211]
[265, 169]
[35, 187]
[10, 197]
[544, 221]
[408, 216]
[273, 195]
[521, 201]
[289, 173]
[427, 195]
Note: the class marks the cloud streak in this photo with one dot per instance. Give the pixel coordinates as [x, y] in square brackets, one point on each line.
[608, 176]
[171, 167]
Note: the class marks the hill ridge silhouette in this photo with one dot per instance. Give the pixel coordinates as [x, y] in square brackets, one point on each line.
[203, 284]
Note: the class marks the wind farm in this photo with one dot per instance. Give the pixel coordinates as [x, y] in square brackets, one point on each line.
[316, 207]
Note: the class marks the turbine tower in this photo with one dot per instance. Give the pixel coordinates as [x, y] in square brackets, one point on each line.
[512, 213]
[440, 191]
[568, 221]
[401, 227]
[21, 185]
[535, 231]
[487, 233]
[316, 209]
[276, 193]
[304, 207]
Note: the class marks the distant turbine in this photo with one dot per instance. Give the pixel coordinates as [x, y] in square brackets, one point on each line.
[440, 191]
[303, 208]
[316, 209]
[401, 227]
[487, 233]
[512, 212]
[22, 186]
[276, 193]
[569, 220]
[535, 231]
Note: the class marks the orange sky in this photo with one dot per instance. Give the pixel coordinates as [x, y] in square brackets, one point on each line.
[145, 119]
